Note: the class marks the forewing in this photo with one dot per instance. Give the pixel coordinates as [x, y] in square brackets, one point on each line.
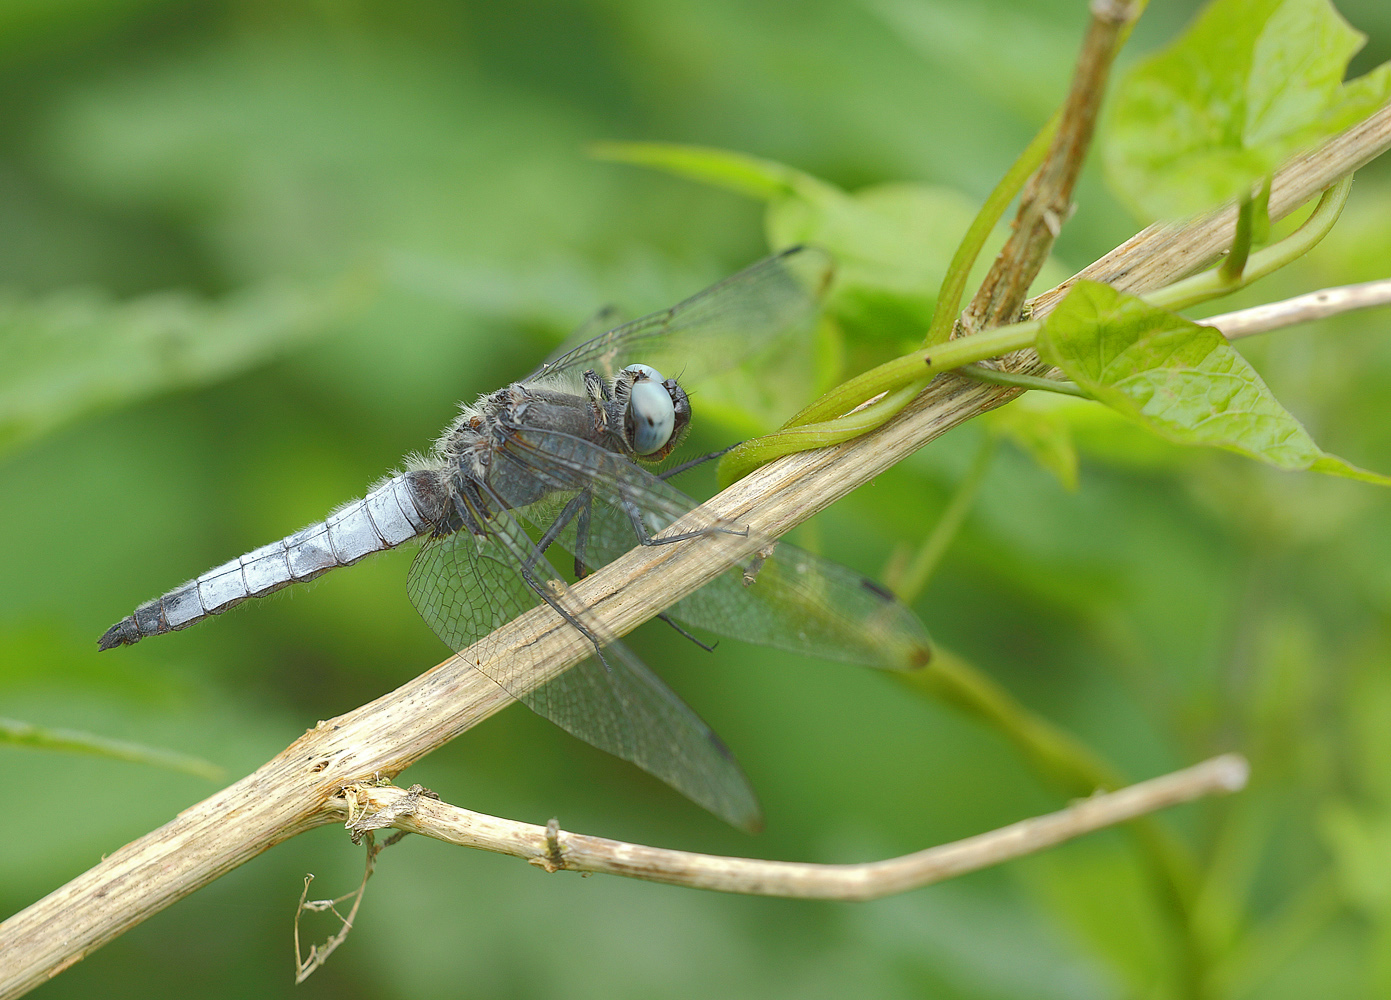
[795, 600]
[753, 313]
[780, 596]
[465, 587]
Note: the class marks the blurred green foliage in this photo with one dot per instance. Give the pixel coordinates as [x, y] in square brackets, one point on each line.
[270, 246]
[1249, 85]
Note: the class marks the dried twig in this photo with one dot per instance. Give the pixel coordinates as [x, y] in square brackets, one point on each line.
[1046, 201]
[305, 965]
[1301, 309]
[553, 849]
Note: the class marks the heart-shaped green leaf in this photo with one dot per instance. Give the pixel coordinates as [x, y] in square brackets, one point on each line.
[1248, 85]
[1182, 381]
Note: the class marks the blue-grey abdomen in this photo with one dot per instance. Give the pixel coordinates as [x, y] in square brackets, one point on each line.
[395, 512]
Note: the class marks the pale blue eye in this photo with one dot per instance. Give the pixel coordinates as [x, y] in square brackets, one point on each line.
[651, 411]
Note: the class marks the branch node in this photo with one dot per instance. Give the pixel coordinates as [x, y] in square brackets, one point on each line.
[554, 858]
[365, 815]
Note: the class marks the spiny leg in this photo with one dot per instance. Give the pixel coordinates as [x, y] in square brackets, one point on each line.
[582, 566]
[645, 538]
[686, 466]
[578, 504]
[526, 563]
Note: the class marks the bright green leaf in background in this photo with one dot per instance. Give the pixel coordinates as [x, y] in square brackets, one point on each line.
[892, 242]
[1038, 423]
[1250, 84]
[24, 734]
[753, 176]
[1181, 380]
[77, 352]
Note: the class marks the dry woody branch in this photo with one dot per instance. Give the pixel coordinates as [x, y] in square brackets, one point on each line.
[556, 850]
[1046, 201]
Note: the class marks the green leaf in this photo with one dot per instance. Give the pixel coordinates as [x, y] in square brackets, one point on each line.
[892, 242]
[737, 172]
[24, 734]
[1249, 85]
[74, 352]
[1359, 840]
[1037, 423]
[1182, 381]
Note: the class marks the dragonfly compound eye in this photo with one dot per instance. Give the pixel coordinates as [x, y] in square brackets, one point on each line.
[651, 416]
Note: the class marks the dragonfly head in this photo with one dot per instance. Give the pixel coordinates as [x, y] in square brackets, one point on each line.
[656, 411]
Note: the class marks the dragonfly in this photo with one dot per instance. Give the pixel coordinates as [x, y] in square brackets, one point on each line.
[565, 458]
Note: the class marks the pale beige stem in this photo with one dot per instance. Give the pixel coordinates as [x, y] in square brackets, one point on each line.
[554, 849]
[1301, 309]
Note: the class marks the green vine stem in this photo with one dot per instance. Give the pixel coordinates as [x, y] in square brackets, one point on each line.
[897, 381]
[1210, 284]
[983, 374]
[743, 458]
[1260, 224]
[1235, 263]
[1252, 227]
[913, 579]
[959, 271]
[1058, 758]
[839, 414]
[1063, 762]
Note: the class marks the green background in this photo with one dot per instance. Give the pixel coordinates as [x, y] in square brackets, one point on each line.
[370, 212]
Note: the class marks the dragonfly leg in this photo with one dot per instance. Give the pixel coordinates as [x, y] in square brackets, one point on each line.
[682, 632]
[598, 394]
[526, 563]
[645, 538]
[578, 504]
[582, 568]
[676, 470]
[582, 537]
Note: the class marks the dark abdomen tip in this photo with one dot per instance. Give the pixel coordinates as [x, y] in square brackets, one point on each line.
[123, 633]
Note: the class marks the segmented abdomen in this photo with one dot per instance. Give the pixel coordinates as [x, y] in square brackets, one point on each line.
[395, 512]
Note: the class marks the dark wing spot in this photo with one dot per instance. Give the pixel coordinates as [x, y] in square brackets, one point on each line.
[877, 590]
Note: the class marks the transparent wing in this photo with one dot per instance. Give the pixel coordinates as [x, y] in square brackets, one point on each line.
[465, 587]
[749, 315]
[781, 596]
[795, 600]
[606, 319]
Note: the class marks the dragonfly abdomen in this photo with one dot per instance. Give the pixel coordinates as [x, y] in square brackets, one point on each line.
[398, 510]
